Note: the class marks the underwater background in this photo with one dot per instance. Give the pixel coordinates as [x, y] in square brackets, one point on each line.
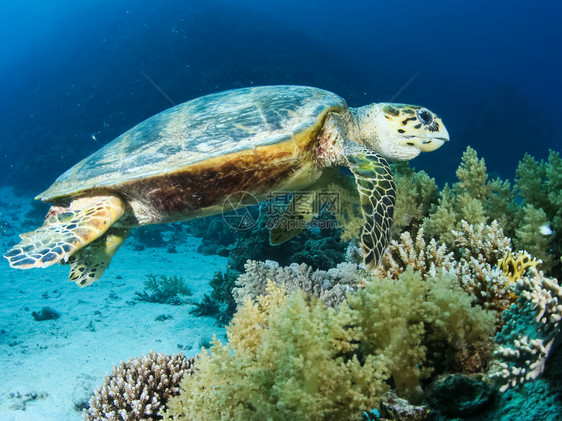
[75, 75]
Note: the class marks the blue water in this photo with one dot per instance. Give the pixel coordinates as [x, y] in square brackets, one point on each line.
[74, 76]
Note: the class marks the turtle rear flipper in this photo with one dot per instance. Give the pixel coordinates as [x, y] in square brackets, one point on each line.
[65, 231]
[378, 196]
[88, 264]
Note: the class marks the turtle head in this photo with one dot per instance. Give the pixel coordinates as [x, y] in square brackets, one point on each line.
[400, 132]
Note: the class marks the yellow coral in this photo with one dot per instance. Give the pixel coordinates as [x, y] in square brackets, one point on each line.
[298, 363]
[514, 267]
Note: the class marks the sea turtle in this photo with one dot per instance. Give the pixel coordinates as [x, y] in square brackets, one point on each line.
[183, 162]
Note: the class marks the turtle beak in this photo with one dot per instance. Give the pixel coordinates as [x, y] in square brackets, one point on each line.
[431, 143]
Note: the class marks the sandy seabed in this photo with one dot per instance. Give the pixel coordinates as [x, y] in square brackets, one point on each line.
[47, 366]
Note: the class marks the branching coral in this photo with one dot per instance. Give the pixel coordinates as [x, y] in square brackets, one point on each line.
[330, 286]
[531, 330]
[478, 248]
[515, 266]
[478, 201]
[138, 389]
[473, 199]
[421, 256]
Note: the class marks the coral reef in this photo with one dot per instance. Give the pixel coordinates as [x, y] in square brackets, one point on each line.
[215, 234]
[473, 199]
[315, 337]
[292, 356]
[416, 192]
[525, 211]
[291, 360]
[418, 254]
[535, 400]
[531, 330]
[479, 249]
[395, 408]
[149, 236]
[404, 318]
[515, 266]
[138, 389]
[222, 284]
[474, 259]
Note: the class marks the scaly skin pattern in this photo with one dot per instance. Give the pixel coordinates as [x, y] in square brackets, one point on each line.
[378, 197]
[63, 233]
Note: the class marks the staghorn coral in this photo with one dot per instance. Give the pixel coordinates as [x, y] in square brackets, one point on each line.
[138, 389]
[531, 330]
[416, 253]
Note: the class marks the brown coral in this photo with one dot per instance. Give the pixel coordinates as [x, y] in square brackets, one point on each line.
[421, 256]
[479, 250]
[138, 389]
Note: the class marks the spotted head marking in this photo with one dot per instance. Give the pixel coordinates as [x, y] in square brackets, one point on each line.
[400, 132]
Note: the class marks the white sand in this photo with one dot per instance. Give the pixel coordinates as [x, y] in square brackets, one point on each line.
[99, 326]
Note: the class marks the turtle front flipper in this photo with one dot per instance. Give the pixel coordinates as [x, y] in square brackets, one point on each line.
[378, 196]
[88, 264]
[65, 231]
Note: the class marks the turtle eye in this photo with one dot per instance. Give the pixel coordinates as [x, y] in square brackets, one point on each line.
[424, 117]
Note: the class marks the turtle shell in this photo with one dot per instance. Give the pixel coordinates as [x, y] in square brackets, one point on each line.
[199, 130]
